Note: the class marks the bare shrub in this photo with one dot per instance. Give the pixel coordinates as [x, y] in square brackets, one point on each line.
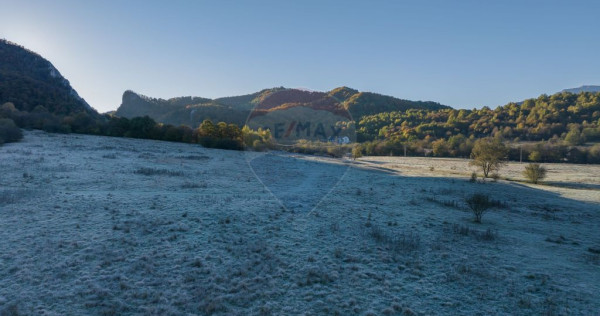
[447, 203]
[191, 185]
[487, 235]
[461, 229]
[498, 204]
[316, 276]
[479, 203]
[396, 242]
[495, 177]
[473, 177]
[193, 157]
[154, 171]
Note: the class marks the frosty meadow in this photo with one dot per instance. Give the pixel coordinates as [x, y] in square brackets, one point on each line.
[299, 158]
[106, 225]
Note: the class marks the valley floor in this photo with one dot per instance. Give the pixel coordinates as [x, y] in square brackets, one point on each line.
[98, 225]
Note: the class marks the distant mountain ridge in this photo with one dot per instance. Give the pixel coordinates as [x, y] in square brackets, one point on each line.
[28, 80]
[236, 109]
[583, 89]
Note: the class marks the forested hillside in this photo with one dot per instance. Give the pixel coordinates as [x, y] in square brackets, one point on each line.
[31, 83]
[534, 119]
[192, 111]
[560, 125]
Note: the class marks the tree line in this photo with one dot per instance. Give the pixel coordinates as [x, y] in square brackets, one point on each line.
[553, 128]
[208, 134]
[557, 128]
[538, 119]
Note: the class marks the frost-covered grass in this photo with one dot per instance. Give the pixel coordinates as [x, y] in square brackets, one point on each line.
[82, 233]
[560, 176]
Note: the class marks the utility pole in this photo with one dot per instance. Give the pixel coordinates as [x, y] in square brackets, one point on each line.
[520, 153]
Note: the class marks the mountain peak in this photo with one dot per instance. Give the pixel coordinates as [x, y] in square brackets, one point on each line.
[342, 93]
[131, 95]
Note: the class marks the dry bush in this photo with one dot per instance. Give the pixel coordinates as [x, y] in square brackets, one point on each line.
[473, 177]
[447, 203]
[495, 177]
[316, 275]
[396, 242]
[191, 185]
[534, 172]
[487, 235]
[193, 157]
[9, 132]
[153, 171]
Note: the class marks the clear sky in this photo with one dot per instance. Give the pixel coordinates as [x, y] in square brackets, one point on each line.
[461, 53]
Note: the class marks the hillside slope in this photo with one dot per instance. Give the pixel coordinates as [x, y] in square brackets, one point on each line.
[583, 89]
[193, 110]
[28, 80]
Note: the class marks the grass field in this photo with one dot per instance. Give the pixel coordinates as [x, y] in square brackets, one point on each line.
[112, 226]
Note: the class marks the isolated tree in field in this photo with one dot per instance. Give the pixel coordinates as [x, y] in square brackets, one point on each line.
[356, 151]
[489, 154]
[478, 203]
[534, 172]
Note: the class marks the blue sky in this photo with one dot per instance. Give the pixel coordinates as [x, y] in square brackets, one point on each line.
[461, 53]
